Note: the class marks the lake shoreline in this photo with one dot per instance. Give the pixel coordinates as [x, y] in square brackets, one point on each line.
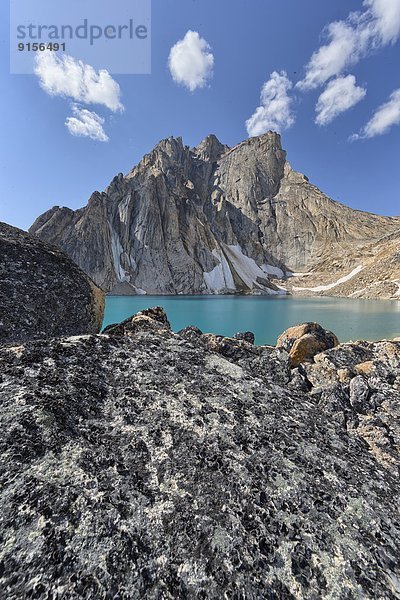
[266, 316]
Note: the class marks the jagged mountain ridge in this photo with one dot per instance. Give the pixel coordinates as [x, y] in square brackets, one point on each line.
[210, 219]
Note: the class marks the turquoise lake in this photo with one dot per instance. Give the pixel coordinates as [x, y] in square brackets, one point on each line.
[267, 317]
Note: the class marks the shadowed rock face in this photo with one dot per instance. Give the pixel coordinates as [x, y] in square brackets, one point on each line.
[211, 219]
[42, 291]
[141, 464]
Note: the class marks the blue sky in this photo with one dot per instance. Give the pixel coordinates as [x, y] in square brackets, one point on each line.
[42, 164]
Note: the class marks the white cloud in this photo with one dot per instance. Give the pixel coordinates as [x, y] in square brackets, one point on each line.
[86, 123]
[385, 117]
[331, 59]
[387, 19]
[339, 95]
[350, 40]
[191, 62]
[275, 112]
[72, 78]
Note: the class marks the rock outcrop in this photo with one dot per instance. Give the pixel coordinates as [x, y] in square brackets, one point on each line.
[210, 219]
[146, 464]
[42, 291]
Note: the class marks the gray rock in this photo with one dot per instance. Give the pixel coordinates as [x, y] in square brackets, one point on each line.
[298, 380]
[359, 392]
[190, 333]
[157, 230]
[267, 362]
[357, 385]
[247, 336]
[141, 465]
[150, 319]
[42, 292]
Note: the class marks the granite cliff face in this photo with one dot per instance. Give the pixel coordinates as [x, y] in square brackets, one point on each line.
[42, 292]
[211, 219]
[146, 464]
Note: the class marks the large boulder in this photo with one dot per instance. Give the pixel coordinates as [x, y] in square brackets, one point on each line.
[42, 292]
[140, 464]
[304, 341]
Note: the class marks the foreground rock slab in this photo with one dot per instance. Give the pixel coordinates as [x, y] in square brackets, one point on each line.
[141, 464]
[42, 292]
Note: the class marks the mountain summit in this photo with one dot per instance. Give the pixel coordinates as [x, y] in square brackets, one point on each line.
[210, 219]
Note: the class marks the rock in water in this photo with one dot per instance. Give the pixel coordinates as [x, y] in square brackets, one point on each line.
[42, 292]
[143, 465]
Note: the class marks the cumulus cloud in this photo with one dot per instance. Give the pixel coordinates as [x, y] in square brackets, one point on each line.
[339, 95]
[385, 117]
[350, 40]
[191, 61]
[86, 123]
[386, 23]
[72, 78]
[275, 112]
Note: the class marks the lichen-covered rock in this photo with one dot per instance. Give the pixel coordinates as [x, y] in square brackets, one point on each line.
[247, 336]
[263, 361]
[304, 341]
[42, 292]
[150, 319]
[190, 333]
[359, 392]
[371, 359]
[358, 385]
[143, 465]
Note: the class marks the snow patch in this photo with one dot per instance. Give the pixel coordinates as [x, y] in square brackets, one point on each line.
[220, 277]
[202, 224]
[117, 251]
[271, 270]
[357, 292]
[323, 288]
[397, 282]
[246, 267]
[123, 209]
[292, 274]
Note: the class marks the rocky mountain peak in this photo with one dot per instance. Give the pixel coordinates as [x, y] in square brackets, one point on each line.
[210, 149]
[210, 219]
[167, 152]
[270, 135]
